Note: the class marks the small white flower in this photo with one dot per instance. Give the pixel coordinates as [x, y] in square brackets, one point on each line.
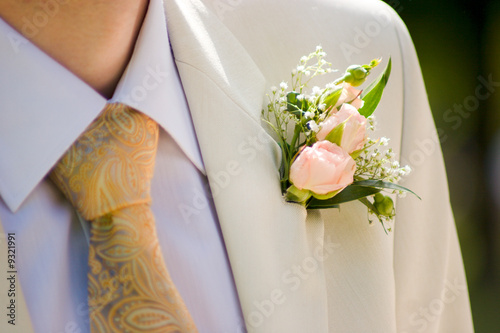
[328, 70]
[402, 194]
[313, 126]
[274, 89]
[384, 141]
[283, 85]
[300, 68]
[303, 59]
[319, 48]
[307, 73]
[330, 85]
[395, 164]
[282, 99]
[309, 114]
[390, 155]
[294, 72]
[372, 121]
[404, 171]
[300, 97]
[321, 106]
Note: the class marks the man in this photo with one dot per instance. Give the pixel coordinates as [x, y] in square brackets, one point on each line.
[293, 270]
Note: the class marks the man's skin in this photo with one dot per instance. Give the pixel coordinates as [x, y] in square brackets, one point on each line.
[94, 39]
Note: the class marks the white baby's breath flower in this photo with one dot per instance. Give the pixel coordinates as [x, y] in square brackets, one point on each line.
[274, 89]
[404, 171]
[328, 70]
[300, 97]
[294, 72]
[319, 48]
[309, 114]
[330, 85]
[307, 73]
[321, 106]
[303, 59]
[316, 90]
[300, 68]
[313, 126]
[384, 141]
[283, 85]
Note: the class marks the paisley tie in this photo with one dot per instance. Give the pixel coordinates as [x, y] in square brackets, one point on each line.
[106, 175]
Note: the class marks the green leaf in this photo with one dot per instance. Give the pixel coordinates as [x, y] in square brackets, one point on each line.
[331, 99]
[372, 95]
[321, 204]
[335, 136]
[368, 204]
[381, 184]
[350, 193]
[294, 105]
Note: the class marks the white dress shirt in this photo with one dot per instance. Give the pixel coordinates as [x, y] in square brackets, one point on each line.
[43, 109]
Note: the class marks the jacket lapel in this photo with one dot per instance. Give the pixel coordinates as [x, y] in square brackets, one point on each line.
[275, 248]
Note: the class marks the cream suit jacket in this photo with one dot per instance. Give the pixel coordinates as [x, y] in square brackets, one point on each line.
[329, 270]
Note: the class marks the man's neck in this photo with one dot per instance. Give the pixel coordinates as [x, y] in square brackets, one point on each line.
[94, 39]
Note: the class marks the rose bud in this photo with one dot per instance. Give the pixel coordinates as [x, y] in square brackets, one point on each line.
[355, 75]
[354, 135]
[384, 204]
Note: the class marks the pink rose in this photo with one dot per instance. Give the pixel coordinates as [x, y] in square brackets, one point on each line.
[350, 95]
[322, 168]
[355, 129]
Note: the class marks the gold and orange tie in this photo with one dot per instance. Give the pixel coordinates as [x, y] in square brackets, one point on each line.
[106, 175]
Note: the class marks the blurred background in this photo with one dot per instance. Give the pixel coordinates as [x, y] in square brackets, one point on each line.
[458, 44]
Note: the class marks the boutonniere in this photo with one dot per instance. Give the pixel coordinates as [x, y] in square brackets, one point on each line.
[328, 157]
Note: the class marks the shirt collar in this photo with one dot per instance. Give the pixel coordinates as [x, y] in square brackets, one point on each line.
[44, 107]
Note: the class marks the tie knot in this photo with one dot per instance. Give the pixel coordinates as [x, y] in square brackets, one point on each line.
[110, 166]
